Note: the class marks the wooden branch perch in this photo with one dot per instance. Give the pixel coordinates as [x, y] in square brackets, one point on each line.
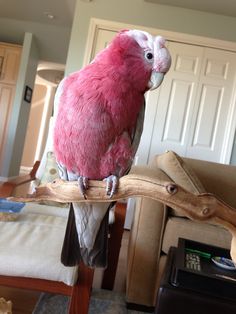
[203, 207]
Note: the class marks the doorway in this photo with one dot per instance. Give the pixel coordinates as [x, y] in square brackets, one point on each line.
[48, 77]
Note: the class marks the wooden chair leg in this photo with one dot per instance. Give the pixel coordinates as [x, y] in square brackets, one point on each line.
[80, 297]
[114, 244]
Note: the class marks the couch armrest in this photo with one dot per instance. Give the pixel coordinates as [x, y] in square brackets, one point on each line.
[144, 251]
[145, 245]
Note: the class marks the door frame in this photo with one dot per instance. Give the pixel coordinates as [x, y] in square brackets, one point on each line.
[99, 24]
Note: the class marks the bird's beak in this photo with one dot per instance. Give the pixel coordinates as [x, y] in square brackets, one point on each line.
[161, 64]
[155, 80]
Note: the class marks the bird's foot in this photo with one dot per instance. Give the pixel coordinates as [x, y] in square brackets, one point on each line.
[112, 183]
[83, 185]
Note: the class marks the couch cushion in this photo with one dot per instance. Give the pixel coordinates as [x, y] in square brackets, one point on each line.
[179, 172]
[31, 245]
[201, 232]
[51, 171]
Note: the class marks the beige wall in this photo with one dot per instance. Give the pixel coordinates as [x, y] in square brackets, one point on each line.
[34, 123]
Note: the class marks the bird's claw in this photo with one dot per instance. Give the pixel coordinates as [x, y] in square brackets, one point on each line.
[83, 185]
[112, 183]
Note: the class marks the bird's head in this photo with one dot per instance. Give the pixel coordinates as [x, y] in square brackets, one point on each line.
[138, 57]
[155, 55]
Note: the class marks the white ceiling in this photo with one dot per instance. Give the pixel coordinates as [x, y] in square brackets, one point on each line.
[63, 10]
[53, 41]
[35, 10]
[224, 7]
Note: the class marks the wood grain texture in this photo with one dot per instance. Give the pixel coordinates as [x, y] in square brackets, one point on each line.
[36, 284]
[79, 302]
[202, 207]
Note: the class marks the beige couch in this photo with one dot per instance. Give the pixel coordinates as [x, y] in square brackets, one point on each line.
[156, 227]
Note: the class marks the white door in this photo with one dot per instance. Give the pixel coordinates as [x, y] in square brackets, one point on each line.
[194, 102]
[211, 113]
[101, 41]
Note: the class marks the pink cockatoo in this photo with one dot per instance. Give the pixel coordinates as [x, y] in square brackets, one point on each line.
[99, 118]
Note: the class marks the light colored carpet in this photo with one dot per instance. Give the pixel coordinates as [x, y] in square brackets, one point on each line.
[102, 302]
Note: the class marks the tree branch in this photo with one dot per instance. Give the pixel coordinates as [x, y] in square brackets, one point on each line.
[203, 207]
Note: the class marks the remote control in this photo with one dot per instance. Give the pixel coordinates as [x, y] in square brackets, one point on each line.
[192, 261]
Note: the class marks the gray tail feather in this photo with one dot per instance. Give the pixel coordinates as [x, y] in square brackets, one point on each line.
[72, 253]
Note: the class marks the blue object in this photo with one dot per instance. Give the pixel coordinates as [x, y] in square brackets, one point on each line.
[224, 262]
[7, 206]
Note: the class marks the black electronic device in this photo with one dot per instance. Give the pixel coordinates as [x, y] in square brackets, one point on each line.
[194, 268]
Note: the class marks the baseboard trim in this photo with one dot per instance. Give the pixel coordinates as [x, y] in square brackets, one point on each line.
[6, 179]
[140, 307]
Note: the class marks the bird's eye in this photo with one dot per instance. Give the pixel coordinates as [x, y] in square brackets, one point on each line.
[149, 56]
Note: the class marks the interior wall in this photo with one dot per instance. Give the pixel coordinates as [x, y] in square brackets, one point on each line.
[138, 12]
[34, 123]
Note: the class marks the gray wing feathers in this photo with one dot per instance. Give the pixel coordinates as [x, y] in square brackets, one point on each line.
[139, 128]
[136, 136]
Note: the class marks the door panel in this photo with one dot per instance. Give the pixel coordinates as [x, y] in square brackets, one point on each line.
[208, 116]
[176, 101]
[186, 63]
[6, 97]
[217, 69]
[211, 112]
[174, 129]
[11, 65]
[102, 40]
